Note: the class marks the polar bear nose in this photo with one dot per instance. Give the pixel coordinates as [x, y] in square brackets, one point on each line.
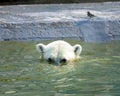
[50, 60]
[57, 62]
[61, 62]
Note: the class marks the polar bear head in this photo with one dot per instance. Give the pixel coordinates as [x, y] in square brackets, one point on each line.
[59, 52]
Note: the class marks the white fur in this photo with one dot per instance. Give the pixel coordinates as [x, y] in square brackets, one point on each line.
[58, 50]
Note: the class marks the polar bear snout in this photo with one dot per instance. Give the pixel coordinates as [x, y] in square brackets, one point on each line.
[57, 61]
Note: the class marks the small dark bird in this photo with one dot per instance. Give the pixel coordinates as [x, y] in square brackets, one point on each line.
[90, 14]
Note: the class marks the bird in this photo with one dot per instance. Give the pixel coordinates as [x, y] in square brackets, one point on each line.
[90, 14]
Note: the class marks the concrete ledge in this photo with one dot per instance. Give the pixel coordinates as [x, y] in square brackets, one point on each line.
[40, 22]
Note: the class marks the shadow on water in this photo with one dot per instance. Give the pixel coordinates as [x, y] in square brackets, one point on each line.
[96, 74]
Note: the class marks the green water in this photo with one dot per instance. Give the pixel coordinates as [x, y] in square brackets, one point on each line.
[96, 74]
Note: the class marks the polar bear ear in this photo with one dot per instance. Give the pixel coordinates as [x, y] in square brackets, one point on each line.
[40, 47]
[77, 49]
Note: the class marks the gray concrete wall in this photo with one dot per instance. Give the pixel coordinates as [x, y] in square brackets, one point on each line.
[40, 22]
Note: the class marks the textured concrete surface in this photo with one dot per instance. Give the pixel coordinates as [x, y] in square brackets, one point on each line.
[54, 21]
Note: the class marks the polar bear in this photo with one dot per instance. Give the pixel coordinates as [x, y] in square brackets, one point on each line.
[59, 52]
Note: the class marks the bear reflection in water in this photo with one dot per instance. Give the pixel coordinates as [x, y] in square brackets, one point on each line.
[59, 52]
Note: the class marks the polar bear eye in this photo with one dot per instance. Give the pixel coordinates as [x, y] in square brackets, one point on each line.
[63, 60]
[50, 60]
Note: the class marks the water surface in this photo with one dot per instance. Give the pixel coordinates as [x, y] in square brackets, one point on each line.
[96, 74]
